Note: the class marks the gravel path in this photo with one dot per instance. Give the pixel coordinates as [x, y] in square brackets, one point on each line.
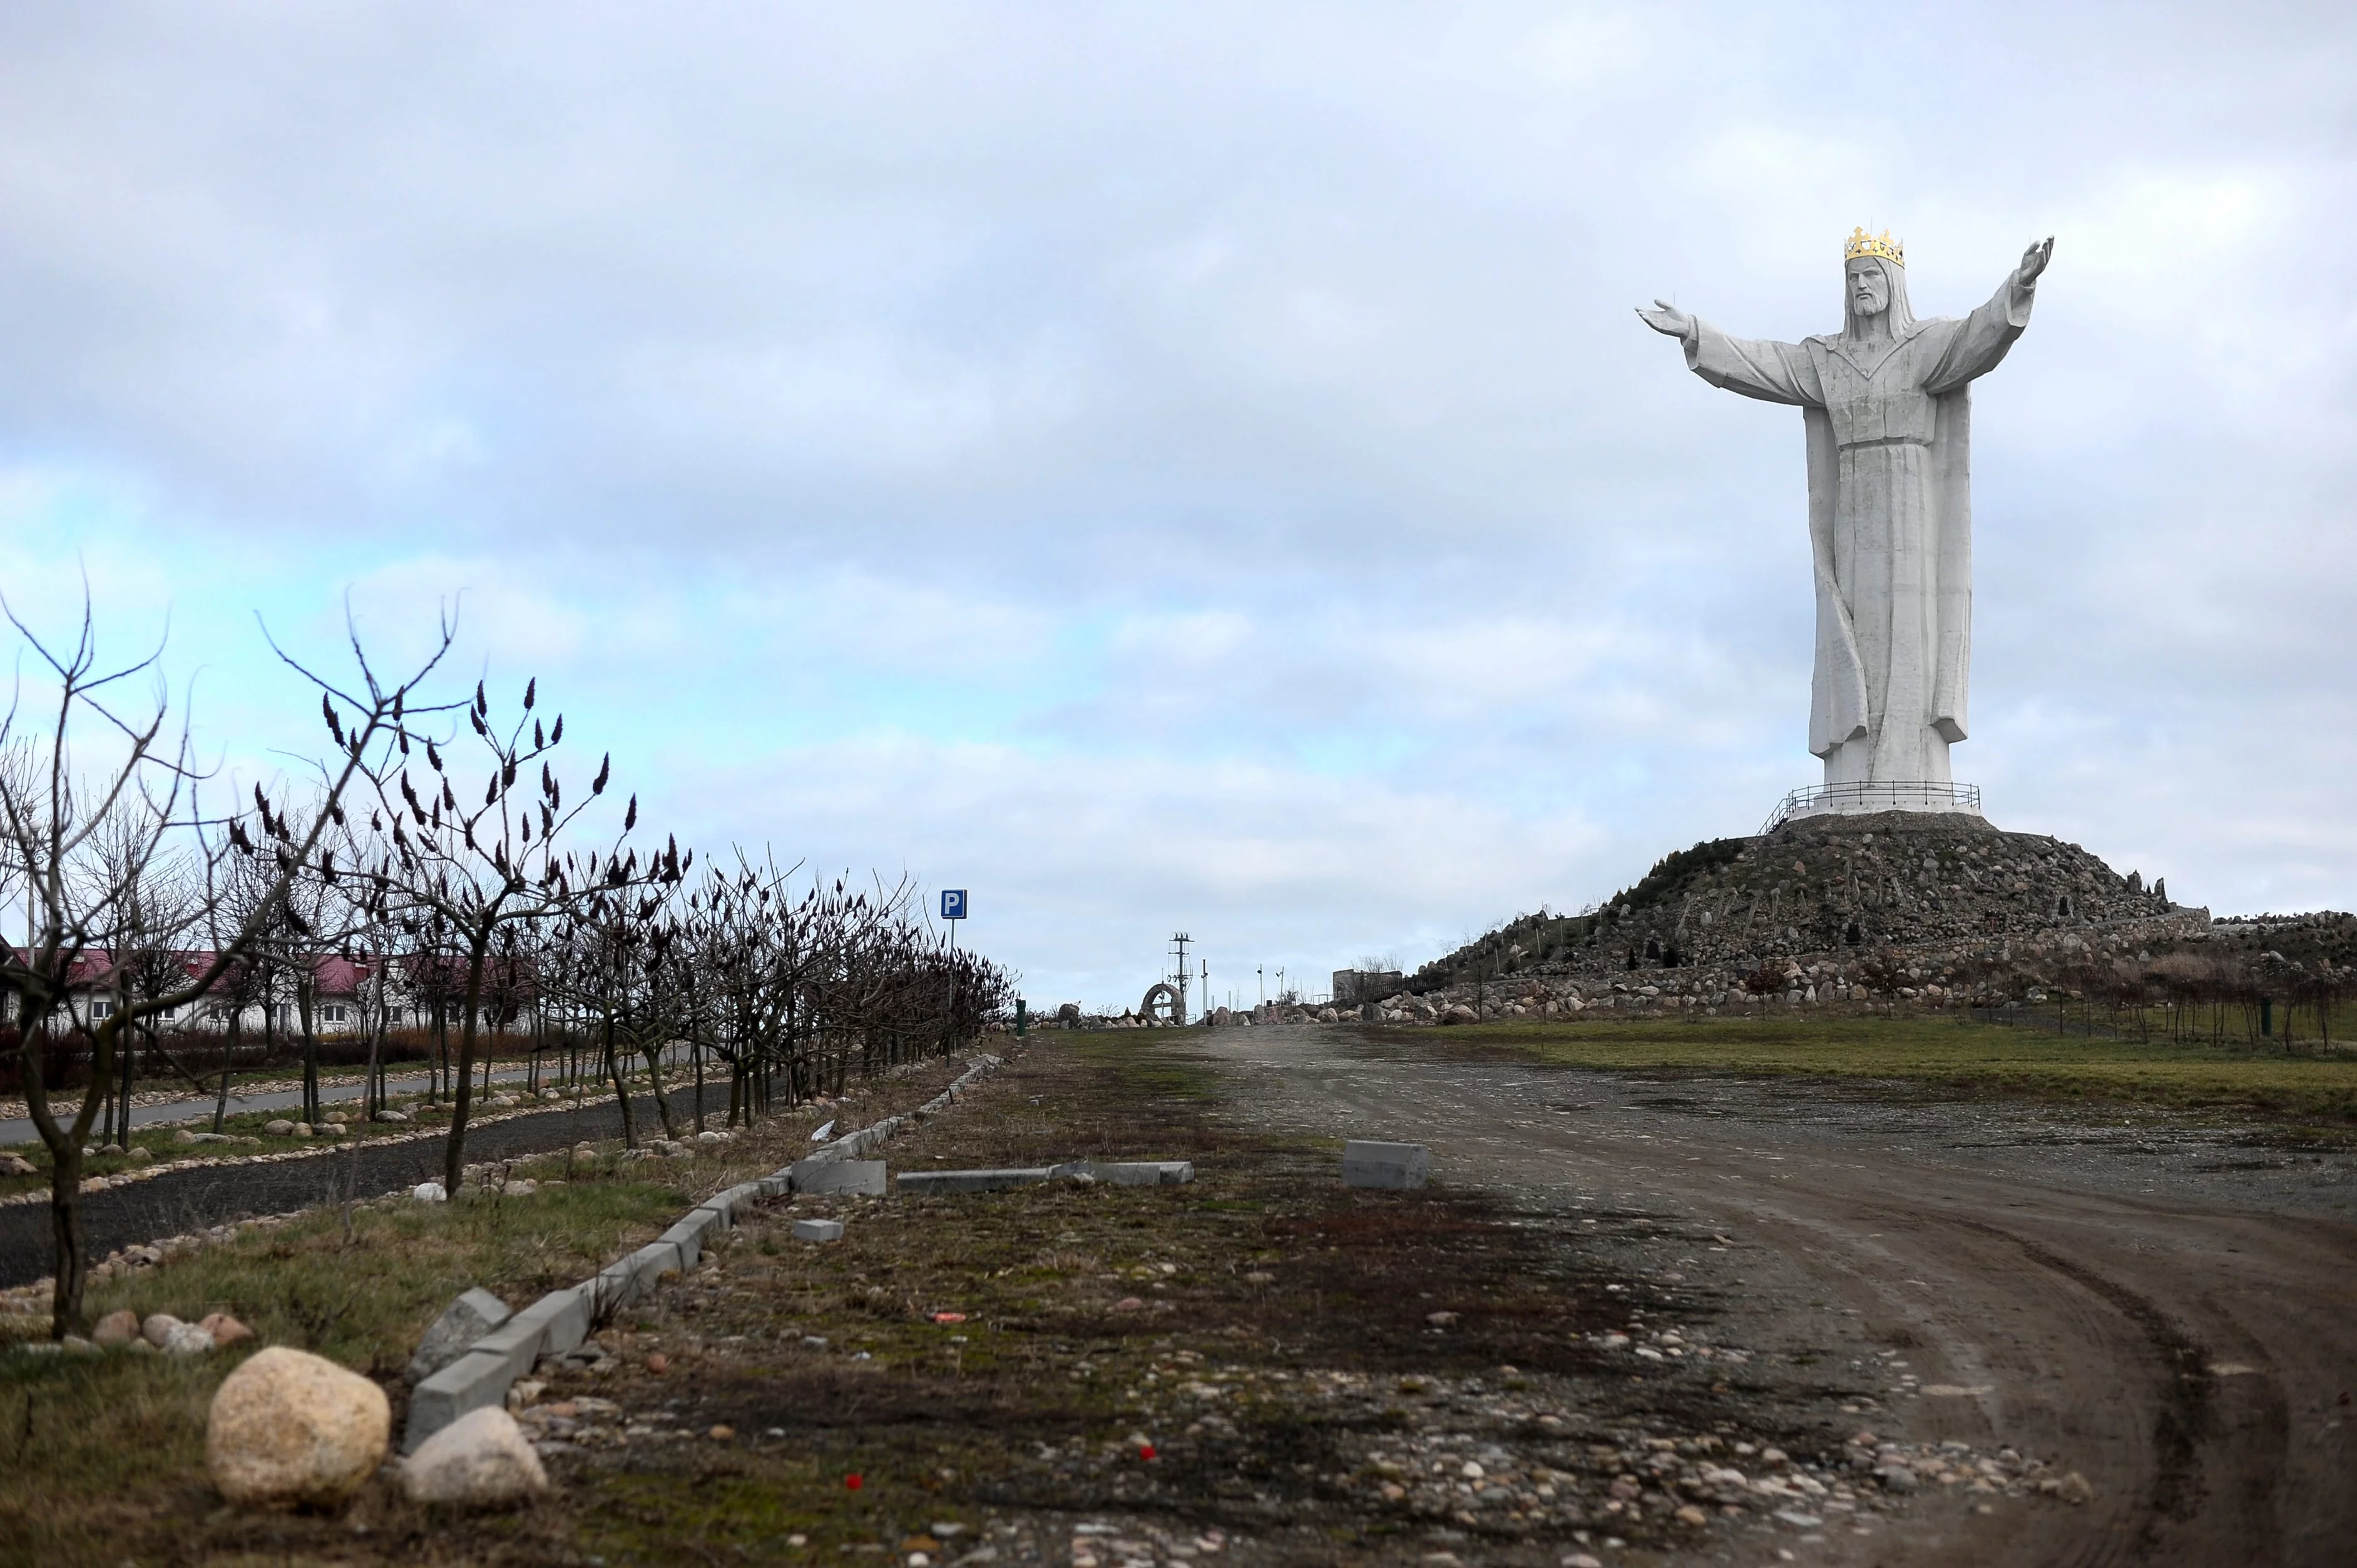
[193, 1199]
[2165, 1310]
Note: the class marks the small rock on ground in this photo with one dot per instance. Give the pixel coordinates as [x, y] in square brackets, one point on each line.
[481, 1460]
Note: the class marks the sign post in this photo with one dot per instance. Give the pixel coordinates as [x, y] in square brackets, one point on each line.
[952, 910]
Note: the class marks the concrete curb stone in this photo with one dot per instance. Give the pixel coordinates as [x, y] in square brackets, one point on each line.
[1392, 1166]
[861, 1178]
[1118, 1173]
[562, 1319]
[926, 1183]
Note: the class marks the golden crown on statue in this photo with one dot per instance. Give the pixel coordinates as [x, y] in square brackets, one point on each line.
[1862, 244]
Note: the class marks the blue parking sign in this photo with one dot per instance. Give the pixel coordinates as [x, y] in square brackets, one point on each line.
[952, 903]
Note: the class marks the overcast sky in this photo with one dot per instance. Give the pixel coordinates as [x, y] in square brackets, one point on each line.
[1196, 466]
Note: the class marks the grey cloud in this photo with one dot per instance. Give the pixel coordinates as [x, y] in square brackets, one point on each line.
[1258, 382]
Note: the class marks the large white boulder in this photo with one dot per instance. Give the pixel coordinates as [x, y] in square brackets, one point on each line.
[481, 1460]
[291, 1427]
[116, 1330]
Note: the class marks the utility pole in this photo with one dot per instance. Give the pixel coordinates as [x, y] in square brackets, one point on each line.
[1180, 941]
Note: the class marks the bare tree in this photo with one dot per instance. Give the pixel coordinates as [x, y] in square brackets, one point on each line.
[241, 894]
[146, 957]
[482, 869]
[54, 821]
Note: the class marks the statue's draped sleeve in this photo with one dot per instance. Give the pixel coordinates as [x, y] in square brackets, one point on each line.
[1760, 368]
[1976, 344]
[1837, 709]
[1788, 373]
[1975, 347]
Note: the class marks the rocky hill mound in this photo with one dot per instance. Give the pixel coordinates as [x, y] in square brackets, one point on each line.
[1911, 896]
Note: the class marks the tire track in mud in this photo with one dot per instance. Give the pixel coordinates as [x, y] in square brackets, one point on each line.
[2093, 1276]
[2183, 1423]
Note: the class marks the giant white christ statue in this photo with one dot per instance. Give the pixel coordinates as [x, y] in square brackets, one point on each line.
[1887, 405]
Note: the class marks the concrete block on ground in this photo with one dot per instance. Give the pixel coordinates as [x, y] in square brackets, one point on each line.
[688, 1236]
[861, 1177]
[776, 1186]
[818, 1230]
[724, 1204]
[615, 1288]
[916, 1183]
[1394, 1165]
[478, 1379]
[652, 1261]
[858, 1144]
[1140, 1173]
[464, 1322]
[563, 1318]
[618, 1285]
[551, 1326]
[516, 1347]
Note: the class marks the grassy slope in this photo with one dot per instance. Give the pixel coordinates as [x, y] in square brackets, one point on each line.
[119, 1435]
[96, 1449]
[1968, 1057]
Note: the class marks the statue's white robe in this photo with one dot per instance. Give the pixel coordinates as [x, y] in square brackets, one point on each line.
[1890, 440]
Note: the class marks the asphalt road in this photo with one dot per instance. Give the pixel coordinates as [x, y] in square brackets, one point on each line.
[2168, 1312]
[195, 1200]
[192, 1108]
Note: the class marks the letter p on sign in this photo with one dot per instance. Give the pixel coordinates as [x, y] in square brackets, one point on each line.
[952, 903]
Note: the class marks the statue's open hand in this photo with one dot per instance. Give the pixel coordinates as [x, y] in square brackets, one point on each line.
[1667, 320]
[2034, 260]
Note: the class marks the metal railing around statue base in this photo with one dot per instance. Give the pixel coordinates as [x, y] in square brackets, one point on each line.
[1874, 795]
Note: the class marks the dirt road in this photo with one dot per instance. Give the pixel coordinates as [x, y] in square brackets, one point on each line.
[2172, 1315]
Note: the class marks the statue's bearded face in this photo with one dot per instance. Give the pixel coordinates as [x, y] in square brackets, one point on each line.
[1870, 290]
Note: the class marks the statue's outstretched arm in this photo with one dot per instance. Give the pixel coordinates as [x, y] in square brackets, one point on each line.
[1979, 342]
[1773, 372]
[2034, 260]
[1668, 320]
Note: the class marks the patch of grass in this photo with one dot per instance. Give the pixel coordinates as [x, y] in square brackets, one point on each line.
[1129, 1057]
[101, 1457]
[1970, 1058]
[90, 1436]
[1201, 1319]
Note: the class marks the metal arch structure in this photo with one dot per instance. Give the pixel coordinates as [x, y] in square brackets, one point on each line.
[1161, 1004]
